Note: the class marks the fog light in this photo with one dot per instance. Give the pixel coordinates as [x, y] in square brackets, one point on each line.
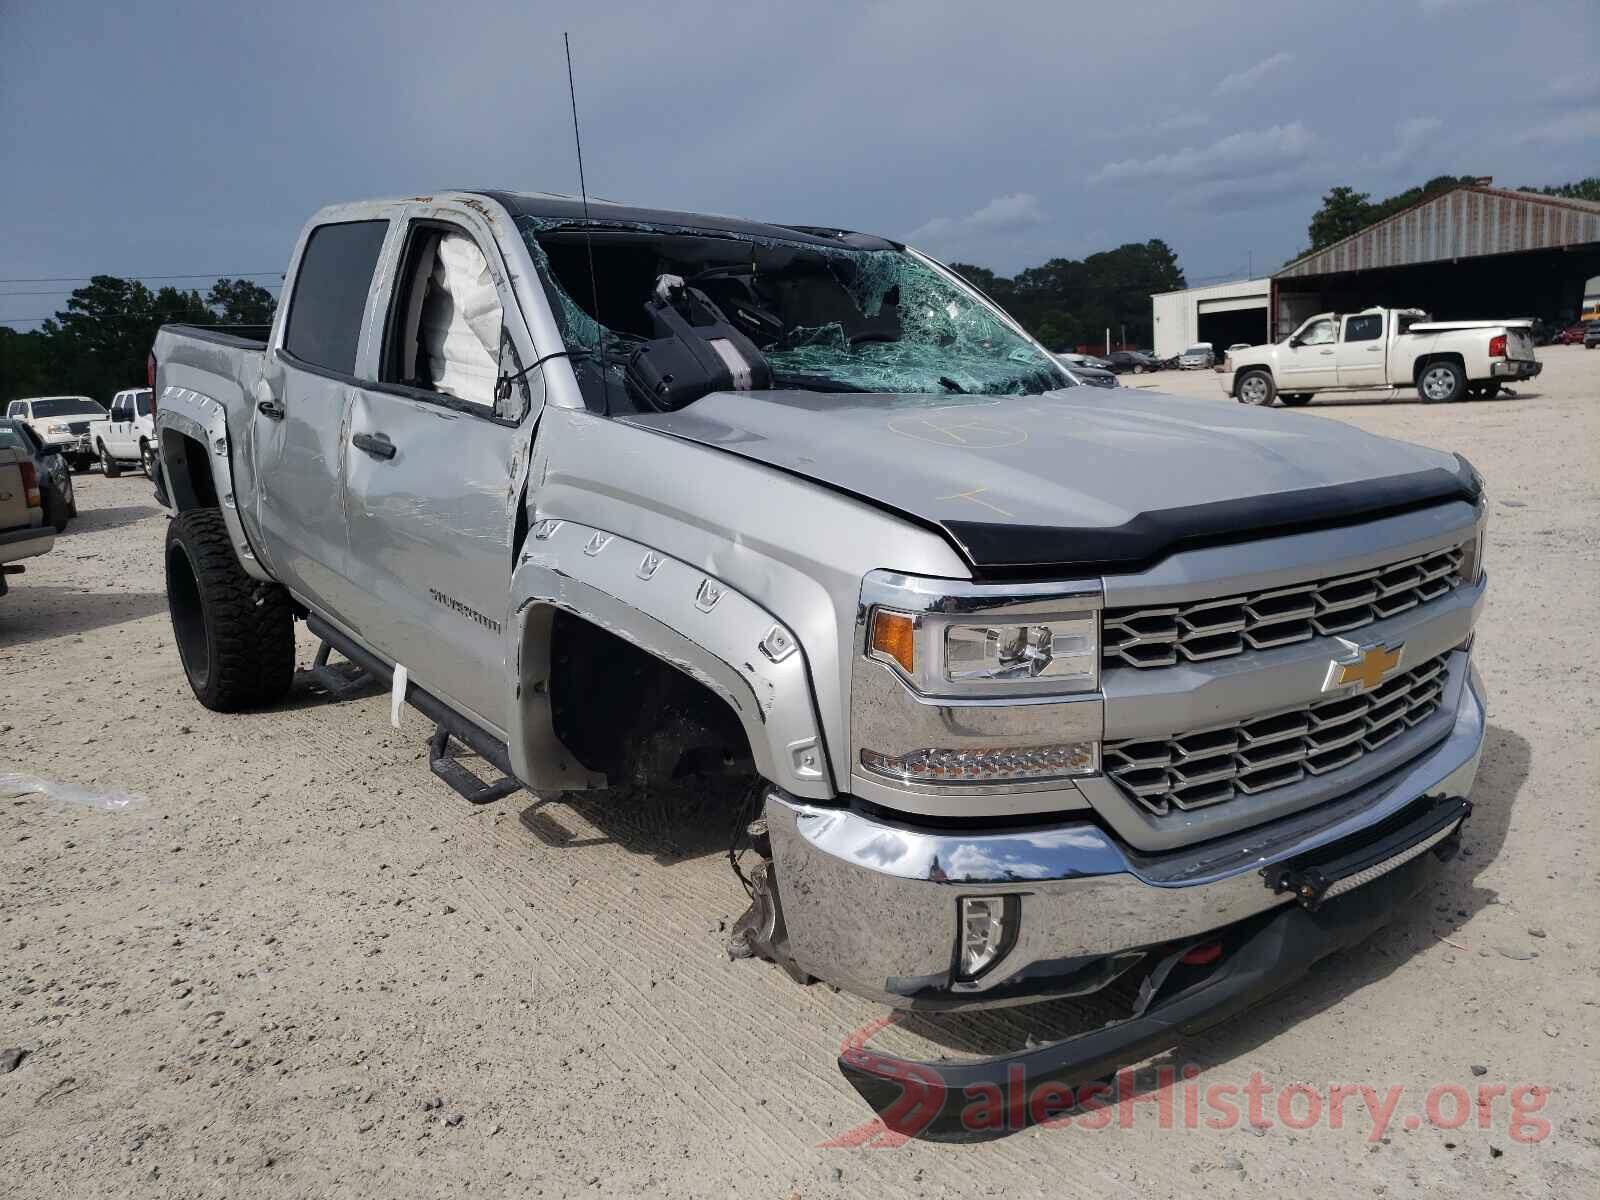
[988, 931]
[999, 764]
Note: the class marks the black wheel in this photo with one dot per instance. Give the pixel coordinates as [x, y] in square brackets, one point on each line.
[81, 463]
[235, 634]
[1295, 399]
[1255, 387]
[1488, 391]
[108, 464]
[147, 459]
[1441, 382]
[1138, 368]
[56, 511]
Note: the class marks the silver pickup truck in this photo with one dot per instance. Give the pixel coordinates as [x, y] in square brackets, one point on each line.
[1037, 687]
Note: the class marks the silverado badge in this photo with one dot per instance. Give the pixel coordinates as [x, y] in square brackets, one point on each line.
[1365, 667]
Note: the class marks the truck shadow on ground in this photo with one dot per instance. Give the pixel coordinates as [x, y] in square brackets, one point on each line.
[96, 520]
[1446, 902]
[1335, 400]
[671, 825]
[37, 613]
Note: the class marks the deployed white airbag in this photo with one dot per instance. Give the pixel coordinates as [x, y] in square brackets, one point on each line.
[461, 320]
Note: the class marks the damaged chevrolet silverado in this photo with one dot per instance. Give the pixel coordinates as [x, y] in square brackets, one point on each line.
[1038, 688]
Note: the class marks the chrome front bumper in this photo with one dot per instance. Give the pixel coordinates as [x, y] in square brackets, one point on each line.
[871, 905]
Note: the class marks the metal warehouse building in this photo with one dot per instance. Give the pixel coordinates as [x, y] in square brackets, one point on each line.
[1474, 251]
[1222, 314]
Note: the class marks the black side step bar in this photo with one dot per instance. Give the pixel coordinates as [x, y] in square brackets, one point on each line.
[447, 723]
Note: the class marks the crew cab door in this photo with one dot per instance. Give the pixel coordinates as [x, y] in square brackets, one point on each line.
[117, 427]
[1309, 359]
[437, 465]
[301, 407]
[1361, 358]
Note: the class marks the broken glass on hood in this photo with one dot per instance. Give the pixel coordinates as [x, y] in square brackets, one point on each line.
[861, 315]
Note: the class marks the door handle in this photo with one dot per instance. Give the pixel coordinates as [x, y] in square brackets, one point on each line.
[267, 404]
[376, 444]
[1327, 351]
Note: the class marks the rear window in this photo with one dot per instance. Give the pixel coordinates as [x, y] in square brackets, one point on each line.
[330, 293]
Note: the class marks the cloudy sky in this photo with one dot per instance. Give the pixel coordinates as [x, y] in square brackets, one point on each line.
[169, 138]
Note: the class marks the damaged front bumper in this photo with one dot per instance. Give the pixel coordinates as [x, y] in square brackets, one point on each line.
[871, 905]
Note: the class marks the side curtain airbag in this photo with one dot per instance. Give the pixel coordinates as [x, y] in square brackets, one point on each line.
[461, 320]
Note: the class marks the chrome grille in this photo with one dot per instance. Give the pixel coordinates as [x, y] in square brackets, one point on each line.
[1206, 629]
[1209, 766]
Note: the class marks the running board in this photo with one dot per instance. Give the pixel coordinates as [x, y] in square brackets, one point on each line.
[447, 723]
[339, 684]
[462, 781]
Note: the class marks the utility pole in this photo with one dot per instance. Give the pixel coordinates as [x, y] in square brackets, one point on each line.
[1108, 339]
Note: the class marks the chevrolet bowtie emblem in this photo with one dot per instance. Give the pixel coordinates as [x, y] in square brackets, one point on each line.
[1369, 667]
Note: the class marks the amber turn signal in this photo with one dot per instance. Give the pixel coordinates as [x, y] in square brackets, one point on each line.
[894, 636]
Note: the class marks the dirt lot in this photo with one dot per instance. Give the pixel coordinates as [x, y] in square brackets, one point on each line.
[295, 965]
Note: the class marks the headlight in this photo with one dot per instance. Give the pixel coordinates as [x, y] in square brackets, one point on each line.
[941, 655]
[58, 429]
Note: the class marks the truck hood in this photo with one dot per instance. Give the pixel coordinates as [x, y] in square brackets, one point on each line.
[1078, 480]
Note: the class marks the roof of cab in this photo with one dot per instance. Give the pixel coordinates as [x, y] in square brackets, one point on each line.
[571, 208]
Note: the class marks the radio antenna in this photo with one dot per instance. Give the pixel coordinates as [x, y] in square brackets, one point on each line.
[588, 235]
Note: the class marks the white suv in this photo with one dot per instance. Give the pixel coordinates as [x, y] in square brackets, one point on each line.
[62, 424]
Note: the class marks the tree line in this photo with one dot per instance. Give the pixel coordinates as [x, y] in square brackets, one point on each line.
[98, 343]
[1068, 302]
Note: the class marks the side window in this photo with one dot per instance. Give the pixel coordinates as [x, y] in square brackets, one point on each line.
[1320, 333]
[446, 331]
[14, 409]
[330, 293]
[1365, 328]
[143, 403]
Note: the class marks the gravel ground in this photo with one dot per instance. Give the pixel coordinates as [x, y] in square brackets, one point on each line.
[293, 964]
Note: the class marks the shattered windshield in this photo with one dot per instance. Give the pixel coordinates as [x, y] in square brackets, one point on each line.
[843, 319]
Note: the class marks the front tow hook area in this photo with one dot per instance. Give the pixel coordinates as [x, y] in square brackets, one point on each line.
[1193, 988]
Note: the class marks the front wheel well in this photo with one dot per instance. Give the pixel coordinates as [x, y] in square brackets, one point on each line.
[633, 717]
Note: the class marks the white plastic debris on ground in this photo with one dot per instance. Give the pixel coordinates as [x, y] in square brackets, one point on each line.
[107, 800]
[460, 326]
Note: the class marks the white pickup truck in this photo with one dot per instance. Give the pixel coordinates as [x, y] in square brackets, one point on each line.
[128, 434]
[1384, 348]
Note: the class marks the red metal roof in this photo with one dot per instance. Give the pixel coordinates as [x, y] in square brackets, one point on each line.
[1465, 222]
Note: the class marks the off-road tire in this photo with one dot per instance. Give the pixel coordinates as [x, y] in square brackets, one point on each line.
[1294, 399]
[108, 464]
[1249, 393]
[1438, 393]
[235, 634]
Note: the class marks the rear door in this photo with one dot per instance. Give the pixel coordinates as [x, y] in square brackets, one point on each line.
[438, 464]
[116, 438]
[1361, 351]
[1310, 361]
[301, 406]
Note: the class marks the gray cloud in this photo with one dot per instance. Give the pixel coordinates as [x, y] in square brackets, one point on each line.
[1247, 79]
[1239, 156]
[1003, 214]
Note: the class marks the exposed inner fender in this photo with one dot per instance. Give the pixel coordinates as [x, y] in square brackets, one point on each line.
[679, 615]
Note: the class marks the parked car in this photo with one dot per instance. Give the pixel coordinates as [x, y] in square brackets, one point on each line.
[54, 475]
[127, 435]
[1591, 335]
[23, 530]
[1198, 357]
[1385, 348]
[1135, 361]
[996, 658]
[62, 423]
[1083, 373]
[1071, 358]
[1571, 335]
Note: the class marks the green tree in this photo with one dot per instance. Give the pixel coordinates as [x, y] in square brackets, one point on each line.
[1582, 189]
[1346, 211]
[241, 302]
